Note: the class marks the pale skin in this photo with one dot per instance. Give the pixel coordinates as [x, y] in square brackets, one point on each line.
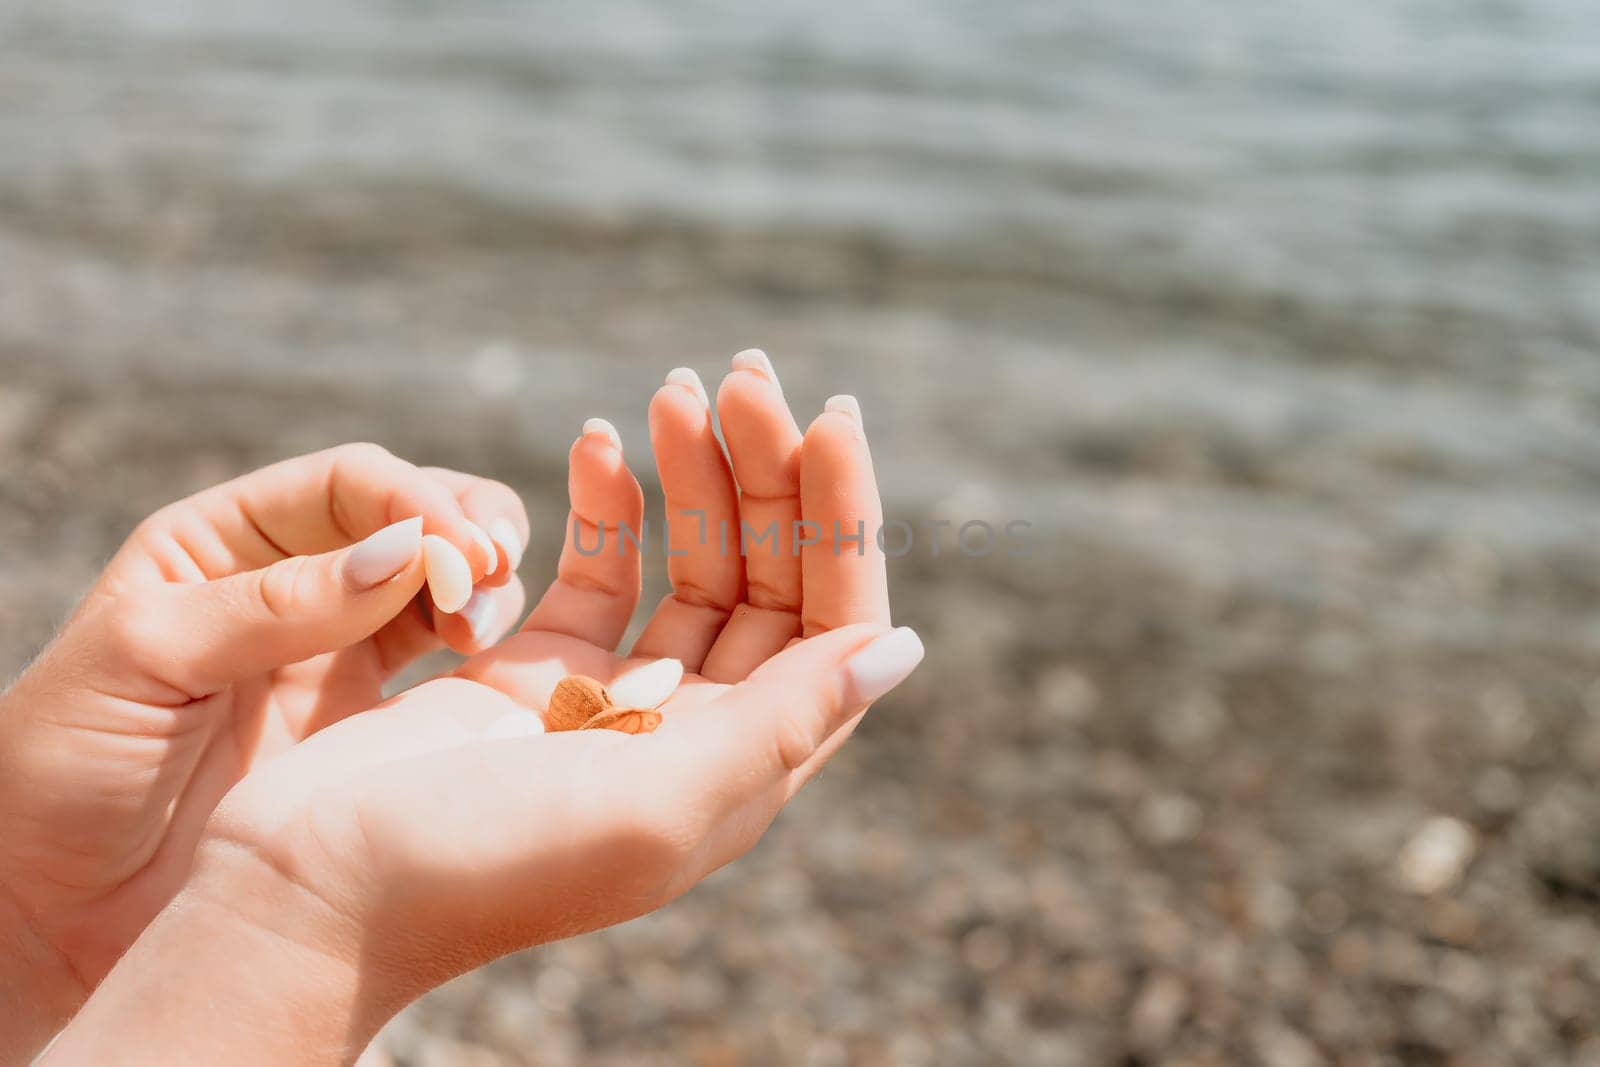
[425, 816]
[223, 632]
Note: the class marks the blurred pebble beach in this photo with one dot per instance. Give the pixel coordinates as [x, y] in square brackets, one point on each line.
[1279, 323]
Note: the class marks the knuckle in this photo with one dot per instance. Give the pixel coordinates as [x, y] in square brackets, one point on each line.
[766, 594]
[492, 495]
[695, 593]
[282, 588]
[794, 740]
[357, 466]
[362, 454]
[153, 525]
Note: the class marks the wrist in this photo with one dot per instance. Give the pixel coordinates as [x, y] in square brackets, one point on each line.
[39, 990]
[234, 971]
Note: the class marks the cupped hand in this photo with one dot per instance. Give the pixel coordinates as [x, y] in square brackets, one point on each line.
[447, 828]
[229, 626]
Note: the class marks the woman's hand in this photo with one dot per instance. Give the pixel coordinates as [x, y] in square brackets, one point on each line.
[405, 846]
[230, 626]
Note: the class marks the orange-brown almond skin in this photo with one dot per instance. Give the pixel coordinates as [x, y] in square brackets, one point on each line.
[625, 720]
[577, 700]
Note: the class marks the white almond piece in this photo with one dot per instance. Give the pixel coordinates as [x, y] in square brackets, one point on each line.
[449, 576]
[647, 686]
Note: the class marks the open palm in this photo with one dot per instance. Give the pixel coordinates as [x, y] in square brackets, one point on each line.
[448, 815]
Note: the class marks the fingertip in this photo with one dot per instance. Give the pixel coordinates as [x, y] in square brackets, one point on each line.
[754, 359]
[686, 378]
[485, 546]
[880, 665]
[489, 614]
[677, 408]
[595, 461]
[833, 445]
[762, 438]
[840, 420]
[449, 575]
[749, 392]
[448, 522]
[482, 615]
[504, 533]
[383, 556]
[844, 404]
[602, 428]
[832, 429]
[600, 485]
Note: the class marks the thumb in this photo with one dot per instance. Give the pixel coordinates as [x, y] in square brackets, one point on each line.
[249, 623]
[773, 723]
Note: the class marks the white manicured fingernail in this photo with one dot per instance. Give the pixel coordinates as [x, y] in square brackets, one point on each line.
[514, 724]
[383, 555]
[449, 577]
[844, 404]
[756, 360]
[486, 544]
[880, 666]
[687, 378]
[481, 612]
[510, 541]
[603, 426]
[647, 686]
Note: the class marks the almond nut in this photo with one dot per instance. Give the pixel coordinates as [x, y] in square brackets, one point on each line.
[577, 699]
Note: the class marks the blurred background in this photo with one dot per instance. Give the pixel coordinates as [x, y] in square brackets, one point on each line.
[1280, 321]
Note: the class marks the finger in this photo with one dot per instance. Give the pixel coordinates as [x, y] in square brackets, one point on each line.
[490, 612]
[597, 578]
[818, 759]
[702, 514]
[198, 638]
[758, 733]
[407, 637]
[764, 446]
[843, 571]
[497, 510]
[304, 506]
